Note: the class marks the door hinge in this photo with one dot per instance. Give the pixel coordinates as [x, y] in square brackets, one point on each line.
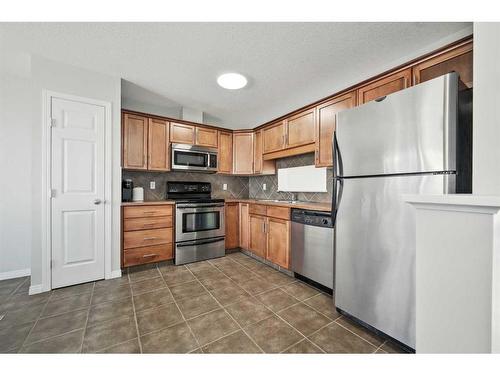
[52, 123]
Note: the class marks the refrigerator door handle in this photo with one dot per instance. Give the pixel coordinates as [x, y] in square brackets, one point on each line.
[338, 168]
[338, 183]
[338, 188]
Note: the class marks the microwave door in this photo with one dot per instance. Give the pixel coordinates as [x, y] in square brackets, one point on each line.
[190, 159]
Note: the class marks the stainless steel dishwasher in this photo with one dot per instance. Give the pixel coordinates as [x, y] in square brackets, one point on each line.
[312, 245]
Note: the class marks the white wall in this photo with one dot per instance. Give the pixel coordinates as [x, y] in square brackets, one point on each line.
[21, 232]
[486, 122]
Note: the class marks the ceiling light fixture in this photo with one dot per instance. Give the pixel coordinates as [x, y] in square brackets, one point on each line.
[232, 81]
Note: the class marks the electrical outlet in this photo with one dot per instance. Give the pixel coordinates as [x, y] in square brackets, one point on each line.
[224, 186]
[152, 185]
[264, 187]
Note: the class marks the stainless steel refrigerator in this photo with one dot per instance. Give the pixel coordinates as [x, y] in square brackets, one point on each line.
[404, 143]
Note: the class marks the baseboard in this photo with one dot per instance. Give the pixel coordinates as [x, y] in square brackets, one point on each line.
[35, 289]
[115, 274]
[14, 274]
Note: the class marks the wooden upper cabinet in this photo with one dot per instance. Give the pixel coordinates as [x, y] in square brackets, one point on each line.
[384, 86]
[258, 236]
[225, 152]
[232, 221]
[261, 166]
[243, 153]
[158, 155]
[273, 137]
[134, 141]
[325, 126]
[457, 59]
[182, 133]
[206, 137]
[244, 226]
[278, 241]
[300, 128]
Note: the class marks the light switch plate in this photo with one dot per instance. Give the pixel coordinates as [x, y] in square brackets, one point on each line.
[264, 187]
[224, 186]
[152, 185]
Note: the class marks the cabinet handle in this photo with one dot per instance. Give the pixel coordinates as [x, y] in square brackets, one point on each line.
[149, 255]
[149, 212]
[148, 225]
[150, 238]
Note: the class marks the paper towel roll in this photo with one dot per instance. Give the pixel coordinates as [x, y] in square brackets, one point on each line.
[138, 194]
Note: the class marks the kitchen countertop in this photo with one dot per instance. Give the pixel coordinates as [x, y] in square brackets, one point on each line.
[318, 206]
[147, 203]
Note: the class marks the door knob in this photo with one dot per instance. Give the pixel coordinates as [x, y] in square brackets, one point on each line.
[97, 201]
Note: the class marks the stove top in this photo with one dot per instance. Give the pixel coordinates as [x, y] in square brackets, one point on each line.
[191, 192]
[198, 200]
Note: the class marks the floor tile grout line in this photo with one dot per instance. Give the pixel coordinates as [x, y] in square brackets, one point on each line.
[36, 321]
[304, 302]
[83, 307]
[234, 320]
[13, 293]
[135, 314]
[53, 337]
[87, 318]
[182, 314]
[112, 346]
[380, 346]
[354, 333]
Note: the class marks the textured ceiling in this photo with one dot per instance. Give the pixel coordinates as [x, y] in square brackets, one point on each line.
[288, 64]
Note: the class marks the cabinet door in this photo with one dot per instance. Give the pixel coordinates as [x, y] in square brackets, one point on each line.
[181, 133]
[206, 137]
[232, 222]
[243, 153]
[225, 152]
[244, 226]
[135, 141]
[384, 86]
[261, 166]
[325, 126]
[457, 59]
[158, 155]
[273, 137]
[258, 235]
[278, 241]
[300, 128]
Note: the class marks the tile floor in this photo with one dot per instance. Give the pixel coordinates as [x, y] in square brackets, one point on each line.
[233, 304]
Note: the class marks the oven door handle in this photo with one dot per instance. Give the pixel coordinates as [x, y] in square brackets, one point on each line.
[183, 206]
[200, 242]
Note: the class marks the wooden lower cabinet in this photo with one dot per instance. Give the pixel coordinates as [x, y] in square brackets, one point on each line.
[270, 236]
[244, 235]
[258, 236]
[147, 234]
[232, 222]
[278, 241]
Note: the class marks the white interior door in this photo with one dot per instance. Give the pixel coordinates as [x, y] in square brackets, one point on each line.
[78, 185]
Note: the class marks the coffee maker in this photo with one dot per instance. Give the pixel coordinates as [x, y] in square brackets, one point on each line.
[127, 187]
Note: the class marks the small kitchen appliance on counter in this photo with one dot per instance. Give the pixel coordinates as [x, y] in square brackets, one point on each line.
[138, 194]
[127, 186]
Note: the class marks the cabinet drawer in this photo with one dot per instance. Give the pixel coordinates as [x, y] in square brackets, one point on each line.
[278, 212]
[258, 209]
[149, 237]
[147, 254]
[147, 211]
[147, 223]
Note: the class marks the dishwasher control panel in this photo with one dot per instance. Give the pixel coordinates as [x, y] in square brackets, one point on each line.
[316, 218]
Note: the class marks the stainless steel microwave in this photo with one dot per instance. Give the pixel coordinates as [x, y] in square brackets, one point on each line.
[194, 158]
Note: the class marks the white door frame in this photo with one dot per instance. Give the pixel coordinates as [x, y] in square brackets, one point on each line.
[46, 258]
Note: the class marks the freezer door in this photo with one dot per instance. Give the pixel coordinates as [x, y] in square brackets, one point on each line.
[375, 250]
[410, 131]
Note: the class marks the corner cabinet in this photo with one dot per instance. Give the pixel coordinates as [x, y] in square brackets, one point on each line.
[325, 126]
[261, 166]
[145, 143]
[243, 153]
[232, 221]
[384, 86]
[225, 152]
[244, 224]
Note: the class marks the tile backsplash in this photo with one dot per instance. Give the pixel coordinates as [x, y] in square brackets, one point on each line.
[237, 187]
[271, 192]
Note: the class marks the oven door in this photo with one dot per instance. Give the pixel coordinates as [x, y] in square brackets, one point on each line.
[194, 221]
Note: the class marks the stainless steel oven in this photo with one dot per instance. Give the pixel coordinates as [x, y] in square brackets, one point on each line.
[194, 221]
[194, 158]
